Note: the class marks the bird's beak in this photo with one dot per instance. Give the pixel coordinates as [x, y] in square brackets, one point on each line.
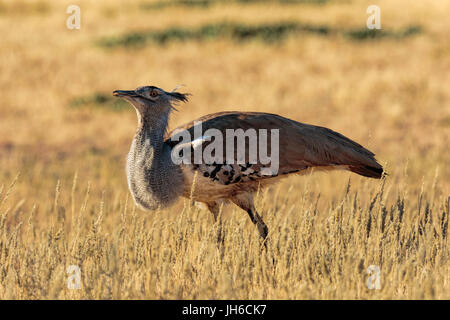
[124, 93]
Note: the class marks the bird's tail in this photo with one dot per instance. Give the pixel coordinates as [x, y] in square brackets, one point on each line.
[357, 158]
[368, 171]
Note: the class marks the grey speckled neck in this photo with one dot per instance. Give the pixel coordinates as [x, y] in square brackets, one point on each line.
[154, 180]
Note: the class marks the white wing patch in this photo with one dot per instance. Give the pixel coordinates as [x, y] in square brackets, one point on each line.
[199, 141]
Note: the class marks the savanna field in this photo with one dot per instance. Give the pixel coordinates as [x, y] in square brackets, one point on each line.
[64, 199]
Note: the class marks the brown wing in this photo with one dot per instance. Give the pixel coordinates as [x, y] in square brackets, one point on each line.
[301, 146]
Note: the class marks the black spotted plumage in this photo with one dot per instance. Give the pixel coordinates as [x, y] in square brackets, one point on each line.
[216, 169]
[227, 173]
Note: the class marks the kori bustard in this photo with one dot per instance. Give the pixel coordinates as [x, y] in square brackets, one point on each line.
[156, 181]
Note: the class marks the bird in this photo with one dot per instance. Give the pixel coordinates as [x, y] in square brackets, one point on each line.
[156, 181]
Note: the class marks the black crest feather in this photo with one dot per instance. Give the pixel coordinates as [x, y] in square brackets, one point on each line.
[183, 97]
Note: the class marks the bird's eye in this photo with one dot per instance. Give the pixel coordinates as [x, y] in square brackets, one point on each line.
[153, 94]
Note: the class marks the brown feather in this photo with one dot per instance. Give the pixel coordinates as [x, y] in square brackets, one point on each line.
[302, 146]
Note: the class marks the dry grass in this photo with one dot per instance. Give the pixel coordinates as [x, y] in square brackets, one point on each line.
[70, 204]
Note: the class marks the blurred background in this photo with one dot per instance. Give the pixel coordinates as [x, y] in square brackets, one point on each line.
[313, 61]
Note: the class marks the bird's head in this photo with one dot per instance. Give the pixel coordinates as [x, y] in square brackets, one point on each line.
[150, 100]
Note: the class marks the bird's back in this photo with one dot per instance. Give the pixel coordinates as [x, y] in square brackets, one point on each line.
[301, 147]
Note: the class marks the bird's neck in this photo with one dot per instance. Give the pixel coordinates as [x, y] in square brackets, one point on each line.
[152, 128]
[154, 180]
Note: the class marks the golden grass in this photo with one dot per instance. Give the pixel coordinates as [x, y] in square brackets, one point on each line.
[390, 95]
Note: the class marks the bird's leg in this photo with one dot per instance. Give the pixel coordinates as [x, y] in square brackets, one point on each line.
[258, 221]
[214, 207]
[245, 202]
